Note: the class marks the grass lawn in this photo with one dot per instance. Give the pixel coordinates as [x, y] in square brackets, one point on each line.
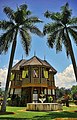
[20, 113]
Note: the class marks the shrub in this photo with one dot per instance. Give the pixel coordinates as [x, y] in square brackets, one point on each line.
[50, 99]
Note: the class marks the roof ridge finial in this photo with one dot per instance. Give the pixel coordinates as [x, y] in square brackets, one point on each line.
[44, 57]
[44, 54]
[34, 53]
[22, 56]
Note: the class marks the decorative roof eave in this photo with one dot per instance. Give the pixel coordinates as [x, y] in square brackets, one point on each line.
[51, 68]
[52, 71]
[36, 61]
[16, 67]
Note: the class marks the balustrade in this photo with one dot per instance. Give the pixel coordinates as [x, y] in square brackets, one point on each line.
[26, 81]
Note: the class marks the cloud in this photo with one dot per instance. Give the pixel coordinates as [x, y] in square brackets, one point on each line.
[66, 78]
[3, 74]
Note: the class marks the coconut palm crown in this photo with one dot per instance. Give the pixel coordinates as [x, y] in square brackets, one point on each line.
[61, 31]
[19, 21]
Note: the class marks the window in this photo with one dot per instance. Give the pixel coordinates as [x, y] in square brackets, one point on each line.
[25, 73]
[35, 72]
[49, 91]
[53, 91]
[12, 76]
[45, 91]
[20, 76]
[45, 73]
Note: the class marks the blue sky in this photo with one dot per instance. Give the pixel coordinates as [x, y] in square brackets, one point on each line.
[59, 61]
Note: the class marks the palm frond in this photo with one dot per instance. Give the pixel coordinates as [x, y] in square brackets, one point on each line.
[51, 27]
[67, 49]
[47, 14]
[33, 19]
[26, 40]
[23, 7]
[74, 27]
[52, 38]
[9, 12]
[73, 34]
[5, 40]
[66, 6]
[66, 11]
[52, 15]
[28, 12]
[72, 21]
[35, 30]
[6, 25]
[48, 28]
[59, 41]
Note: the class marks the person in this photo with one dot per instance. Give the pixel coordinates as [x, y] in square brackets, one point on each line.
[66, 98]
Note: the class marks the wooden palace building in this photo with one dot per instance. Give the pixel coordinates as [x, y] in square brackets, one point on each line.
[30, 78]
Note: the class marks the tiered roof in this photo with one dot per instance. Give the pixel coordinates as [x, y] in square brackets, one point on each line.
[33, 62]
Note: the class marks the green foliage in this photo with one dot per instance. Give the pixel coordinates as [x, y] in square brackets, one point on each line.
[50, 99]
[8, 99]
[1, 98]
[74, 89]
[18, 21]
[56, 30]
[1, 92]
[9, 102]
[66, 13]
[60, 30]
[60, 92]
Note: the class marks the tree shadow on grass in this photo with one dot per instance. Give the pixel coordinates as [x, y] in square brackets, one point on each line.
[6, 113]
[54, 115]
[51, 115]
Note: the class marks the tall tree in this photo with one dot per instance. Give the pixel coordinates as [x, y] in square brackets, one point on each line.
[74, 89]
[61, 31]
[19, 21]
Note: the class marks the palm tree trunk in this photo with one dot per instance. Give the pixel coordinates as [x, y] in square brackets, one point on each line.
[3, 107]
[72, 55]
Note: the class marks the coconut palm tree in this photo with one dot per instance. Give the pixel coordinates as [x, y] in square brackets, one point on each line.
[19, 21]
[61, 31]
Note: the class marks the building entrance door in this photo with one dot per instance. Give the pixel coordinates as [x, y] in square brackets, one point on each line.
[35, 96]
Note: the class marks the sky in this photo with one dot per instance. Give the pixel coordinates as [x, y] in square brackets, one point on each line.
[65, 76]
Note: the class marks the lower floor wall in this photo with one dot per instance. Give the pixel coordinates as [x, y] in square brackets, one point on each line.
[32, 94]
